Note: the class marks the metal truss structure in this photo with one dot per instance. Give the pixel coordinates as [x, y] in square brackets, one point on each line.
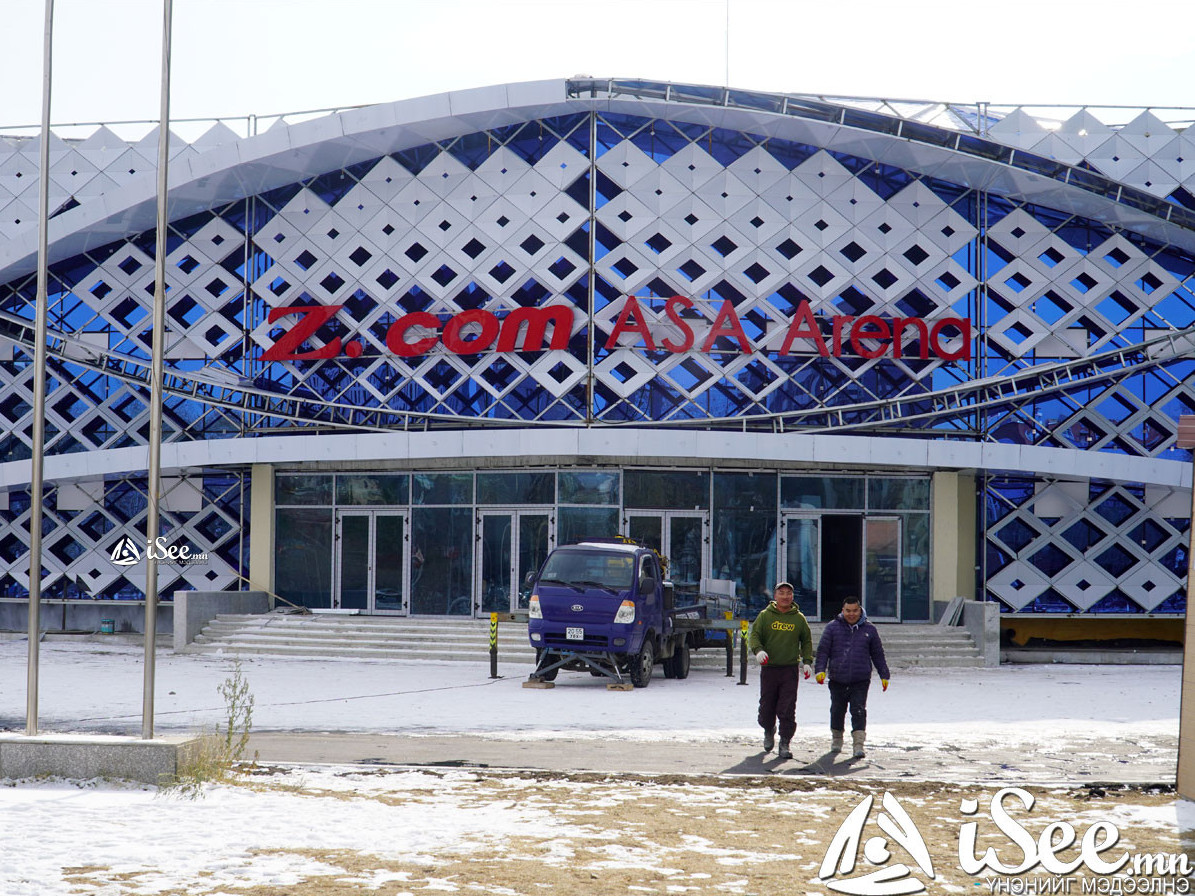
[1082, 324]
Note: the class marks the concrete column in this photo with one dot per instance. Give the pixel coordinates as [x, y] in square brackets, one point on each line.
[953, 547]
[1185, 779]
[1186, 711]
[261, 528]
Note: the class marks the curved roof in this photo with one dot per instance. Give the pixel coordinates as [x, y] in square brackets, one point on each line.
[287, 153]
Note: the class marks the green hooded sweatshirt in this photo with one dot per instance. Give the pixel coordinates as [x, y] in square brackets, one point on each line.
[785, 636]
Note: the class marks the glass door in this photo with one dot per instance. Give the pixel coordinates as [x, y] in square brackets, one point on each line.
[681, 537]
[881, 568]
[513, 544]
[800, 564]
[371, 552]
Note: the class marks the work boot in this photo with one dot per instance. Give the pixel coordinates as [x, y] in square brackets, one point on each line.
[859, 737]
[784, 752]
[835, 741]
[769, 740]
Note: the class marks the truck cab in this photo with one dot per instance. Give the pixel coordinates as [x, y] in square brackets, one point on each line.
[603, 606]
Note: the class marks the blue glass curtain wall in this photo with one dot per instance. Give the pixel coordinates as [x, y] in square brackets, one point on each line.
[741, 510]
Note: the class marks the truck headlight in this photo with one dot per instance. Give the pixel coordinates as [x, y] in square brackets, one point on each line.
[533, 610]
[626, 613]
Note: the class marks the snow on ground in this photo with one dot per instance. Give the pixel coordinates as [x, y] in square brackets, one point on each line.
[331, 830]
[90, 687]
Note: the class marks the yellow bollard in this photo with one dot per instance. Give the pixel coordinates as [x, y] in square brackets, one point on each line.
[494, 645]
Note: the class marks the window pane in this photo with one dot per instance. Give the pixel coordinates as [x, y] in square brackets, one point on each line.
[592, 487]
[668, 490]
[371, 490]
[441, 561]
[744, 549]
[574, 524]
[825, 492]
[914, 581]
[442, 488]
[898, 494]
[307, 490]
[745, 490]
[303, 556]
[516, 488]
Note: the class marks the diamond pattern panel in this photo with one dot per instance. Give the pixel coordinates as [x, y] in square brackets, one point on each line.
[78, 545]
[726, 220]
[1085, 543]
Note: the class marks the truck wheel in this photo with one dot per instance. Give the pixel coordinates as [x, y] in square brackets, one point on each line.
[541, 660]
[642, 664]
[677, 665]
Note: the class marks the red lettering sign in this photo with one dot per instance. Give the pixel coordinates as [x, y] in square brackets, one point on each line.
[526, 330]
[313, 317]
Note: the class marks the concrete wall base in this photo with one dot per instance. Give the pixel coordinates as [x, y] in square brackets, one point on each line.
[1093, 656]
[195, 609]
[126, 616]
[154, 761]
[981, 618]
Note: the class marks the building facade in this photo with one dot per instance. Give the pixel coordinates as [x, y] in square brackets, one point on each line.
[909, 351]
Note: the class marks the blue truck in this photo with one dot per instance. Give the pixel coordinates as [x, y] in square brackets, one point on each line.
[604, 606]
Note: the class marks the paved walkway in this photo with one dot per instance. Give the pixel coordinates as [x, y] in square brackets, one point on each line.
[1079, 762]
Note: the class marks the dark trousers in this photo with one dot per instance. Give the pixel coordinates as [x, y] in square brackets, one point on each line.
[778, 699]
[852, 694]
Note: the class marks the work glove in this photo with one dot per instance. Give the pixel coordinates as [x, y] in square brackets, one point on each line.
[821, 677]
[808, 671]
[762, 656]
[884, 683]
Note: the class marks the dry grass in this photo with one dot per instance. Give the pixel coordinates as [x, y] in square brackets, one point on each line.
[631, 834]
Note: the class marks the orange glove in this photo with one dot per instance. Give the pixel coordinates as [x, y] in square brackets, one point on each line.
[821, 677]
[884, 683]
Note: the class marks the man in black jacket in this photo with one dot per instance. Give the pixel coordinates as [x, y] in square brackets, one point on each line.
[849, 647]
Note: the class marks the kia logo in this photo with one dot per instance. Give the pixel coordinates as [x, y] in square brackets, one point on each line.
[577, 608]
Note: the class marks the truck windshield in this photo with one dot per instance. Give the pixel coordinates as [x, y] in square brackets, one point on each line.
[613, 572]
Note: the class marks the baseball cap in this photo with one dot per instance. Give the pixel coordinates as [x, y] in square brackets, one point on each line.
[787, 585]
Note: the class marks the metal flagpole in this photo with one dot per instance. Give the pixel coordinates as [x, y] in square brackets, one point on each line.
[156, 374]
[39, 380]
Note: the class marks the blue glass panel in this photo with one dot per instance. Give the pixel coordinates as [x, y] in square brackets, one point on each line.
[897, 494]
[516, 488]
[574, 524]
[823, 492]
[442, 488]
[666, 489]
[372, 489]
[588, 486]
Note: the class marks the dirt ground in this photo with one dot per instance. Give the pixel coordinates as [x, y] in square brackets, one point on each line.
[618, 835]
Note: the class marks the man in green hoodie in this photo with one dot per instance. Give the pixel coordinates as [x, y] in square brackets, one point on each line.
[781, 641]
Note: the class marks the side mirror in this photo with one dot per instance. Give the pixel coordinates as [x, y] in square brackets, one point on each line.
[647, 586]
[529, 579]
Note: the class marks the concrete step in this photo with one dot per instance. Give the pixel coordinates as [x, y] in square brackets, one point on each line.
[453, 639]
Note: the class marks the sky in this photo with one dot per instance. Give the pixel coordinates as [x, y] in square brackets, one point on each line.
[264, 57]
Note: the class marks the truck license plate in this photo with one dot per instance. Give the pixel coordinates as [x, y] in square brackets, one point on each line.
[574, 634]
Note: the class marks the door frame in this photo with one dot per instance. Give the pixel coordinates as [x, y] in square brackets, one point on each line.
[513, 514]
[899, 523]
[666, 517]
[816, 518]
[372, 514]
